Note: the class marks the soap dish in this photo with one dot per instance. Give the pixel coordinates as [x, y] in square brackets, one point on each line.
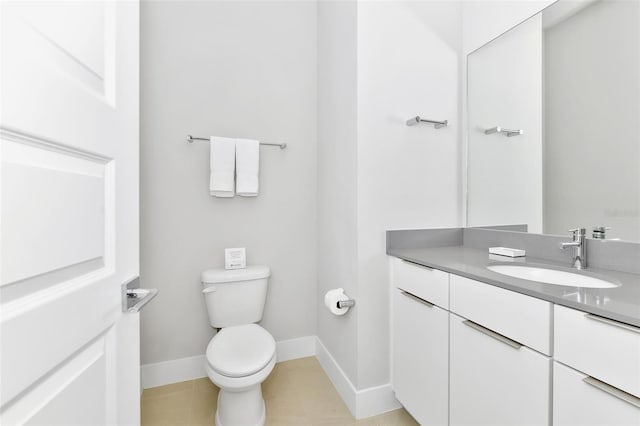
[506, 251]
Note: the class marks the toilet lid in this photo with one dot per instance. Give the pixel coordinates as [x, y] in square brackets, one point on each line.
[241, 350]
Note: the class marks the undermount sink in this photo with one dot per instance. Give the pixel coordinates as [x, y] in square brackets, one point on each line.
[551, 276]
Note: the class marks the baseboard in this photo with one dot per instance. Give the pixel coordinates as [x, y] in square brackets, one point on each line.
[362, 403]
[301, 347]
[174, 371]
[183, 369]
[338, 377]
[375, 400]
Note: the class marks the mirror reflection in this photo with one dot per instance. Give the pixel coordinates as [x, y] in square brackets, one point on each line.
[554, 122]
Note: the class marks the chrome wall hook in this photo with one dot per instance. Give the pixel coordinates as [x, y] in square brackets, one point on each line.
[508, 132]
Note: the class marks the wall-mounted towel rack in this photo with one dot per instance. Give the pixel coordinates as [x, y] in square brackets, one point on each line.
[417, 120]
[190, 139]
[508, 132]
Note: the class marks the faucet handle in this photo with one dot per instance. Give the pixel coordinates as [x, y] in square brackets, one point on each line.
[578, 232]
[599, 232]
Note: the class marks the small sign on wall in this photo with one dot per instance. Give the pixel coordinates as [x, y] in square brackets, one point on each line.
[235, 258]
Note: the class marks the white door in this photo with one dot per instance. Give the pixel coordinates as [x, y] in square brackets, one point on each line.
[69, 208]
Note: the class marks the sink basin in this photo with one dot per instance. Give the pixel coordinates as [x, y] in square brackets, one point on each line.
[551, 276]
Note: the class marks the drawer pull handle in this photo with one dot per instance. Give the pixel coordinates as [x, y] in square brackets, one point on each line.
[417, 299]
[613, 323]
[492, 334]
[615, 392]
[417, 264]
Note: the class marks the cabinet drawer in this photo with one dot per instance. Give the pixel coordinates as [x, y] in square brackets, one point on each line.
[524, 319]
[493, 382]
[429, 284]
[579, 403]
[608, 351]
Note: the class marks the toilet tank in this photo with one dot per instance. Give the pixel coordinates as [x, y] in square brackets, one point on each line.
[235, 296]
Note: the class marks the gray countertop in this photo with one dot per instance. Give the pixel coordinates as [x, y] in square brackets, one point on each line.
[620, 303]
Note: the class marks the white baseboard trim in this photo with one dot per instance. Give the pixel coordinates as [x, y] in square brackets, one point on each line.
[183, 369]
[375, 400]
[301, 347]
[338, 377]
[362, 403]
[174, 371]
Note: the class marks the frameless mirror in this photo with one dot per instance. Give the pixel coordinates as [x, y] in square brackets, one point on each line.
[554, 122]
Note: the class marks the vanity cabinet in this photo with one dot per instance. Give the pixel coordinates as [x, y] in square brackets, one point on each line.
[579, 400]
[470, 353]
[421, 342]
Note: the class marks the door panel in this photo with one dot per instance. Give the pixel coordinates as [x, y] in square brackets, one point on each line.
[69, 208]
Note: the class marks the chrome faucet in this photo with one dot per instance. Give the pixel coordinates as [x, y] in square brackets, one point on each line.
[579, 245]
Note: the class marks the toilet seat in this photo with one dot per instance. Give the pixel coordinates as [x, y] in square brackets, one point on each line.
[240, 351]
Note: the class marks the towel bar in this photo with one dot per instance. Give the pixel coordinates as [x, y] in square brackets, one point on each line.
[190, 139]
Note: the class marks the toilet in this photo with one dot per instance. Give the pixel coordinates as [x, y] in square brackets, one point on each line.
[242, 354]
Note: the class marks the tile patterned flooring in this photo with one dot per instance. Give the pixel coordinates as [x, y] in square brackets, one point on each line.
[296, 393]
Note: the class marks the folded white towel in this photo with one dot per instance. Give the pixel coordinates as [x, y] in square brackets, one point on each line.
[247, 167]
[223, 164]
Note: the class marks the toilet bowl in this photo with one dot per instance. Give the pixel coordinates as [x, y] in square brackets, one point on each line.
[239, 359]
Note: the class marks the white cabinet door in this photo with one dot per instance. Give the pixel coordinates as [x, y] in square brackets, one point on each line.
[578, 400]
[69, 209]
[494, 381]
[420, 358]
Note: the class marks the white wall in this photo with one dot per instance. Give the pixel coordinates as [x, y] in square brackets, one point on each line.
[244, 69]
[408, 65]
[379, 64]
[337, 166]
[599, 135]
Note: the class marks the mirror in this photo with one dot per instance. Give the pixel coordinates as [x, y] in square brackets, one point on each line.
[554, 122]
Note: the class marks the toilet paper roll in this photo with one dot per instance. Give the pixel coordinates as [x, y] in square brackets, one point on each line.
[331, 299]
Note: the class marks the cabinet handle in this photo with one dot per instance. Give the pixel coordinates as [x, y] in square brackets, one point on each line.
[615, 392]
[417, 299]
[417, 264]
[493, 334]
[613, 323]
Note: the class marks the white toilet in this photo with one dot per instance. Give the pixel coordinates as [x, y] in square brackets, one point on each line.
[242, 354]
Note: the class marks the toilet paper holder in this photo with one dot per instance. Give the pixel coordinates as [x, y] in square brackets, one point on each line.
[345, 303]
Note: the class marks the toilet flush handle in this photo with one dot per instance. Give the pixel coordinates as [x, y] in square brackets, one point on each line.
[209, 289]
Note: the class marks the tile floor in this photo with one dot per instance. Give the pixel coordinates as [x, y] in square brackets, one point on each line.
[297, 393]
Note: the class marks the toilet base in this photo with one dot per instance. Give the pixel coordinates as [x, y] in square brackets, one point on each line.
[241, 408]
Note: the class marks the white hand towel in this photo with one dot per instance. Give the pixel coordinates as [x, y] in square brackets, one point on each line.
[223, 164]
[247, 167]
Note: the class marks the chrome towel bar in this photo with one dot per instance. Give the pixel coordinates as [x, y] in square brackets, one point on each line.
[417, 120]
[190, 139]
